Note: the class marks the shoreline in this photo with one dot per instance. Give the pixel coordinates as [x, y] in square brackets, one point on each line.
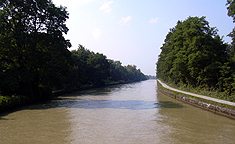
[227, 112]
[9, 104]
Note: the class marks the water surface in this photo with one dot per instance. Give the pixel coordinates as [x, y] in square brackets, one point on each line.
[129, 113]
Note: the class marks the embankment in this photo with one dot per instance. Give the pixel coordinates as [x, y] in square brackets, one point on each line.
[200, 103]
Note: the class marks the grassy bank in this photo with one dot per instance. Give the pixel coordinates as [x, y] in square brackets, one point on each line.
[194, 98]
[205, 91]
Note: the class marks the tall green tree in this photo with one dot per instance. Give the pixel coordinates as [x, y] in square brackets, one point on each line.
[192, 54]
[98, 69]
[34, 57]
[80, 57]
[92, 68]
[128, 73]
[134, 74]
[231, 12]
[117, 71]
[228, 70]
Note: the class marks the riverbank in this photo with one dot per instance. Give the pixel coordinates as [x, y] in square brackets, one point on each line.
[216, 106]
[10, 103]
[62, 92]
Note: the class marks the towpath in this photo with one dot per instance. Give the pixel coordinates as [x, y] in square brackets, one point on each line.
[197, 95]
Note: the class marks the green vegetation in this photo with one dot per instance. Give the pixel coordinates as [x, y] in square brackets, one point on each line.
[194, 56]
[10, 102]
[34, 53]
[195, 98]
[94, 69]
[35, 60]
[151, 77]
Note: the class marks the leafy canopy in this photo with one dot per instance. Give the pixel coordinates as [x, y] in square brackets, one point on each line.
[34, 53]
[192, 54]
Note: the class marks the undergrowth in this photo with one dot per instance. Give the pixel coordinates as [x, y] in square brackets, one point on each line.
[193, 97]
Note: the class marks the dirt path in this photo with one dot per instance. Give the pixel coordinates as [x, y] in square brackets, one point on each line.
[200, 96]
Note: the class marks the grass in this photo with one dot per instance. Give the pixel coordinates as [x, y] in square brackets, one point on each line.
[205, 91]
[195, 98]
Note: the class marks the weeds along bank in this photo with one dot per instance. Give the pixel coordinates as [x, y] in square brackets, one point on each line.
[216, 108]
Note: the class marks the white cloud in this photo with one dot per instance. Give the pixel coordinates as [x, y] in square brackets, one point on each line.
[80, 2]
[106, 7]
[125, 20]
[97, 33]
[70, 3]
[153, 20]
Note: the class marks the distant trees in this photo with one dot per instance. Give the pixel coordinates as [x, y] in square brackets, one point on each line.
[134, 74]
[117, 71]
[95, 69]
[34, 59]
[92, 68]
[151, 77]
[125, 73]
[194, 55]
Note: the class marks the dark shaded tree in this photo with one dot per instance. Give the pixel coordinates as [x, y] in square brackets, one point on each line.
[33, 56]
[128, 73]
[92, 68]
[117, 71]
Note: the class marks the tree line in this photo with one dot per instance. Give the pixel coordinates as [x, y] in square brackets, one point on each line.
[94, 69]
[34, 55]
[194, 55]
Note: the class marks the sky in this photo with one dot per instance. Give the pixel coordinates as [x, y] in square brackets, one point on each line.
[132, 31]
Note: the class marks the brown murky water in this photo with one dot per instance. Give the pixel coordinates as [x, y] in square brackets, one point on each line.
[130, 113]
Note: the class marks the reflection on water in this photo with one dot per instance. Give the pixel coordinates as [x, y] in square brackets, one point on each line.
[194, 125]
[168, 104]
[130, 113]
[112, 104]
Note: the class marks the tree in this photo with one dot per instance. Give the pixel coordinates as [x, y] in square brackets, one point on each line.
[98, 69]
[117, 71]
[80, 57]
[228, 70]
[192, 54]
[34, 56]
[231, 12]
[134, 74]
[127, 73]
[92, 68]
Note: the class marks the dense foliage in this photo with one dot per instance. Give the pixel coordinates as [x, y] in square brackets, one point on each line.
[231, 13]
[194, 55]
[34, 55]
[95, 69]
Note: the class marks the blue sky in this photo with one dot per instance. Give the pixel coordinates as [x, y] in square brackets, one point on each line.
[132, 31]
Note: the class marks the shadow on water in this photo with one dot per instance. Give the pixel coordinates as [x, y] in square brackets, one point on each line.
[80, 101]
[102, 104]
[105, 90]
[72, 101]
[3, 118]
[168, 104]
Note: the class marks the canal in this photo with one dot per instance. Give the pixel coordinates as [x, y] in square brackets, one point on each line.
[129, 113]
